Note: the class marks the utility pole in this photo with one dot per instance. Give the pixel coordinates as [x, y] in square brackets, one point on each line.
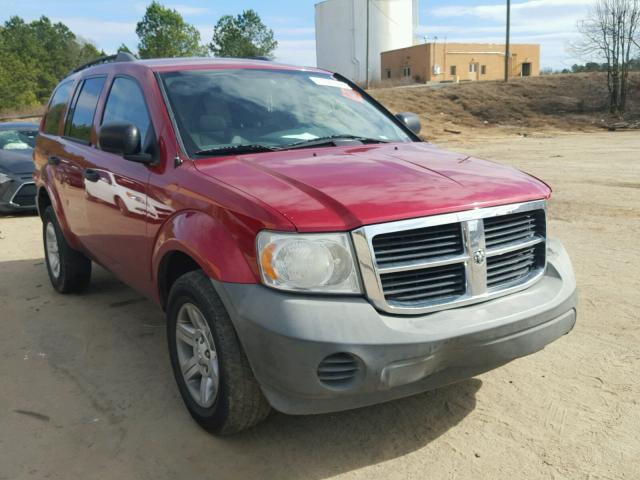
[367, 50]
[507, 53]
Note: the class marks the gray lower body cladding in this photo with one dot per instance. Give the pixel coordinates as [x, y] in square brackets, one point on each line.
[287, 336]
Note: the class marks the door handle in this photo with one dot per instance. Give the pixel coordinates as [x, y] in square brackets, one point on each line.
[91, 175]
[53, 160]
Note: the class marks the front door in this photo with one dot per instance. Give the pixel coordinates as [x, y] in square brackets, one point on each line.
[116, 191]
[526, 69]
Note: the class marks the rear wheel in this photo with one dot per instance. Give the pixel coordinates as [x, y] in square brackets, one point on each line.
[69, 270]
[209, 364]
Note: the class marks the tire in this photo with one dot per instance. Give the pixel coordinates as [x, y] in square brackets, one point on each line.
[237, 403]
[69, 270]
[121, 206]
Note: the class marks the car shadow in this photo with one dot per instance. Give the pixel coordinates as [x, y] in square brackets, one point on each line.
[330, 444]
[105, 352]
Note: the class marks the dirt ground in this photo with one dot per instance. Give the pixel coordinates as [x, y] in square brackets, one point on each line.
[86, 389]
[576, 102]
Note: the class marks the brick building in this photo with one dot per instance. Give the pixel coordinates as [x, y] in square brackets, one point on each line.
[438, 62]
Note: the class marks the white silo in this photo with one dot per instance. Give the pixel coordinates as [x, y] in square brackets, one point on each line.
[341, 34]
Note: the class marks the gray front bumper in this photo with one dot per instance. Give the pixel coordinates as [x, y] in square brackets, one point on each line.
[286, 336]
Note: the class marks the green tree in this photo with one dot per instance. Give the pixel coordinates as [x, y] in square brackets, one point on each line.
[17, 80]
[164, 33]
[35, 57]
[242, 36]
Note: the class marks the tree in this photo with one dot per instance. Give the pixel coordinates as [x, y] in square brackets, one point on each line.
[612, 33]
[242, 36]
[35, 57]
[164, 33]
[17, 81]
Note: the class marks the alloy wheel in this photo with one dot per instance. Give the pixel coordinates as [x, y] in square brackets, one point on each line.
[197, 355]
[53, 252]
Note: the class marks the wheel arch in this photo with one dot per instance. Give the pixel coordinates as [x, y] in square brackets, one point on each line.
[193, 240]
[43, 200]
[48, 198]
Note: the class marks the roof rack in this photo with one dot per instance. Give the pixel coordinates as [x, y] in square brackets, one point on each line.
[119, 57]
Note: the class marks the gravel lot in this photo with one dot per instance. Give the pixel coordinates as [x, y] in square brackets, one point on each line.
[86, 389]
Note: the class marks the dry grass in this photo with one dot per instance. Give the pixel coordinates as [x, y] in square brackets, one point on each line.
[575, 102]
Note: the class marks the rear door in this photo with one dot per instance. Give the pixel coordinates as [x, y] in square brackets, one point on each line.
[78, 146]
[116, 206]
[52, 162]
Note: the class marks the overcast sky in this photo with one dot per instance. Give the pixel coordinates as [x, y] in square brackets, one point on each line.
[552, 23]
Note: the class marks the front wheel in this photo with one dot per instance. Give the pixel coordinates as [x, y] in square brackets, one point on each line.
[69, 270]
[209, 364]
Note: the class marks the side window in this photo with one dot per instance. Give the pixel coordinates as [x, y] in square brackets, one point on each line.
[126, 104]
[57, 107]
[80, 120]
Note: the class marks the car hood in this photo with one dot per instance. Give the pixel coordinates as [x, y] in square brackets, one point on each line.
[342, 188]
[16, 161]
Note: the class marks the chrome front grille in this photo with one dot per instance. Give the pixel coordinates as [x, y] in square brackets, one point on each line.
[417, 245]
[433, 263]
[517, 227]
[426, 284]
[513, 266]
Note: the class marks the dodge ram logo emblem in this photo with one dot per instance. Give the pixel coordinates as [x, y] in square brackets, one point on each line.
[478, 257]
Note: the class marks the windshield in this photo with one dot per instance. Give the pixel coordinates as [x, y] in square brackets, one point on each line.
[227, 109]
[22, 139]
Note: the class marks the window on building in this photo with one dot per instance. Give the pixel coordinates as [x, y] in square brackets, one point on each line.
[453, 70]
[388, 73]
[80, 120]
[406, 72]
[483, 70]
[473, 67]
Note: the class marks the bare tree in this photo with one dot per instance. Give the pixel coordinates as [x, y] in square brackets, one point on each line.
[612, 33]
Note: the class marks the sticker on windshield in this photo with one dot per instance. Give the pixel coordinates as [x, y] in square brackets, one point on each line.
[351, 95]
[329, 82]
[301, 136]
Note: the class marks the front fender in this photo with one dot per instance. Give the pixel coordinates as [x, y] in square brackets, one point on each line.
[223, 255]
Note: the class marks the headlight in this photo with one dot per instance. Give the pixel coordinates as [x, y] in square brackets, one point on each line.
[4, 178]
[308, 262]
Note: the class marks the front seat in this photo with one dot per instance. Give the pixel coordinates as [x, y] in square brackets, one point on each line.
[213, 125]
[211, 130]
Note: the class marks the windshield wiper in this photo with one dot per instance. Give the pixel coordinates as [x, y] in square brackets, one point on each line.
[236, 149]
[315, 142]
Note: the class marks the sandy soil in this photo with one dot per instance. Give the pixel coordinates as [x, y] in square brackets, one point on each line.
[560, 103]
[86, 389]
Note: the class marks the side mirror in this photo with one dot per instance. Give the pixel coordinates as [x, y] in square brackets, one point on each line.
[123, 139]
[410, 120]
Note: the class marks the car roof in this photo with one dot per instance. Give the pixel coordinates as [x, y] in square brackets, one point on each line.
[193, 63]
[18, 125]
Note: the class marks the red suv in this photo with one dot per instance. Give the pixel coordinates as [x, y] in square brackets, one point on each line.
[311, 252]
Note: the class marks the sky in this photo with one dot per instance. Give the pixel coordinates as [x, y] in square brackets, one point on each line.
[107, 24]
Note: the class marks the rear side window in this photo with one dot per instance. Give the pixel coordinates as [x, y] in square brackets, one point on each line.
[57, 108]
[81, 118]
[126, 104]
